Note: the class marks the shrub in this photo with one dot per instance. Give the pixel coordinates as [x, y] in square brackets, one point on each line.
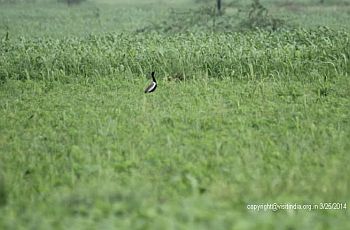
[72, 2]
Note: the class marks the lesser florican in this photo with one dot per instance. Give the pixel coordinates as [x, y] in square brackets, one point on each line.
[152, 86]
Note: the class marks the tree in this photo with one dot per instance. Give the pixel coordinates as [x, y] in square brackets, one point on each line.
[218, 5]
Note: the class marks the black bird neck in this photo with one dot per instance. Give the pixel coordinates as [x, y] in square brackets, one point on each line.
[153, 78]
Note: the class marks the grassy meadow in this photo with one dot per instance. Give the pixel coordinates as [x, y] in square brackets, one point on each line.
[252, 107]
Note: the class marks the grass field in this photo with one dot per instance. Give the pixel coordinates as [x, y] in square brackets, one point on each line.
[242, 115]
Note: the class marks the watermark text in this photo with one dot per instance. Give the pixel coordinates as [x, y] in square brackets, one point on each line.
[295, 206]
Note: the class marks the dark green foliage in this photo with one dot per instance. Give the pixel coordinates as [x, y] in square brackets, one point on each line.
[71, 2]
[258, 17]
[207, 17]
[201, 19]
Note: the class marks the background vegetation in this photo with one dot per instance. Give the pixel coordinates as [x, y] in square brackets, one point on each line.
[252, 108]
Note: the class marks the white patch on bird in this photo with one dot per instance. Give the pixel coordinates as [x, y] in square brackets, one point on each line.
[152, 87]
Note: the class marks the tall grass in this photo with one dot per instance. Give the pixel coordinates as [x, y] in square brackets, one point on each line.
[298, 54]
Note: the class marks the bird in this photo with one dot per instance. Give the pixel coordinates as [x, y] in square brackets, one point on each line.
[152, 86]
